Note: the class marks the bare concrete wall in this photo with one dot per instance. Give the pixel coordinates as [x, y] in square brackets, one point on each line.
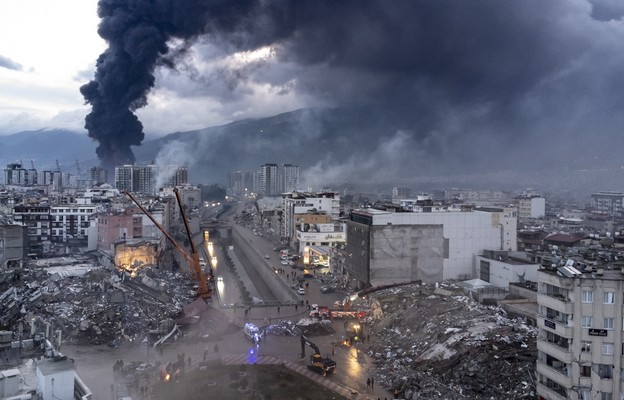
[406, 252]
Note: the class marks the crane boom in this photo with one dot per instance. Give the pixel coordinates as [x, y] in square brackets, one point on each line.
[192, 260]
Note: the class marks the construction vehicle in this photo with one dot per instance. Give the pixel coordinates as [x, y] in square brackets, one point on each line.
[318, 363]
[193, 258]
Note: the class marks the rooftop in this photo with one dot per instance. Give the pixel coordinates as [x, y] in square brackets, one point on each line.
[49, 367]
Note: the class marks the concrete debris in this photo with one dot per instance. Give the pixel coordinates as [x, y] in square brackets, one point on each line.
[94, 305]
[434, 343]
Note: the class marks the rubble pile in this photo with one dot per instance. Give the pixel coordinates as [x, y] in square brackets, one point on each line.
[93, 305]
[282, 328]
[435, 343]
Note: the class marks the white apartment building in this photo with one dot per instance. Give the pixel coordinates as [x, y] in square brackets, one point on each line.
[610, 203]
[71, 221]
[385, 247]
[136, 178]
[531, 207]
[304, 202]
[268, 180]
[580, 350]
[290, 178]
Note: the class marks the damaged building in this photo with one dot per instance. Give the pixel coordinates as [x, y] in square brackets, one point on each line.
[431, 243]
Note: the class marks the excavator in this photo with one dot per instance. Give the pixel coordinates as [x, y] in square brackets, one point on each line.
[318, 363]
[193, 258]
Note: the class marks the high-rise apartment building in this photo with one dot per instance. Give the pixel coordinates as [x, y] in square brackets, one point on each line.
[177, 176]
[579, 347]
[610, 203]
[14, 174]
[136, 178]
[97, 175]
[290, 178]
[235, 183]
[268, 178]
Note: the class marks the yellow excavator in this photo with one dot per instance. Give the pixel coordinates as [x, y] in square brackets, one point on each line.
[318, 363]
[193, 258]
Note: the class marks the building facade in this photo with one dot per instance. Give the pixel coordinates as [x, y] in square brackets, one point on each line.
[301, 203]
[70, 222]
[387, 247]
[12, 243]
[530, 207]
[290, 178]
[580, 320]
[36, 220]
[137, 178]
[610, 203]
[268, 178]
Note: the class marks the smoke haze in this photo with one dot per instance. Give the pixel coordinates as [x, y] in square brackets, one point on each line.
[444, 87]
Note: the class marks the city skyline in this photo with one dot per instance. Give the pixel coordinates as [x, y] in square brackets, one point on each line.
[536, 87]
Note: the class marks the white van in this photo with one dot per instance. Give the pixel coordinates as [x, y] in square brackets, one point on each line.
[252, 332]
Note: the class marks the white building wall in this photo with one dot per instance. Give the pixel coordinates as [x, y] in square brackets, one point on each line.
[538, 207]
[57, 386]
[468, 234]
[503, 273]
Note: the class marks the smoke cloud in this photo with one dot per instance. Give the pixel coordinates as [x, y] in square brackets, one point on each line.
[138, 33]
[447, 86]
[7, 63]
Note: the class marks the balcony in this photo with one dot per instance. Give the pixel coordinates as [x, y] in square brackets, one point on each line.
[554, 350]
[557, 375]
[560, 328]
[545, 391]
[555, 302]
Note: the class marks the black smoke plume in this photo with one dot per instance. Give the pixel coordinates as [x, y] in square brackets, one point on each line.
[138, 35]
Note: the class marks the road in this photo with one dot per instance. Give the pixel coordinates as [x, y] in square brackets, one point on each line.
[94, 363]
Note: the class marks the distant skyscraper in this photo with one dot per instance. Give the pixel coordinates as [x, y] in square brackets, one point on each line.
[97, 175]
[136, 178]
[235, 184]
[179, 176]
[290, 177]
[14, 174]
[268, 178]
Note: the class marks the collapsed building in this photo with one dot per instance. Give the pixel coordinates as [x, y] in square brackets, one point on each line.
[434, 342]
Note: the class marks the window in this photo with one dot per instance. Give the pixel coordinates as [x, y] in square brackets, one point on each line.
[607, 349]
[605, 371]
[587, 296]
[609, 297]
[586, 322]
[586, 371]
[586, 346]
[608, 323]
[606, 396]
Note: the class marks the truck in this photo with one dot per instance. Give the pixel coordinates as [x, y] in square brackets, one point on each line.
[324, 312]
[318, 363]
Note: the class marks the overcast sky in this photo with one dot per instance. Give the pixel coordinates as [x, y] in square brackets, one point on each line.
[545, 77]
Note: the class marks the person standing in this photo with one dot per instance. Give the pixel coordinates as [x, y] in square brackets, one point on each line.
[367, 383]
[372, 382]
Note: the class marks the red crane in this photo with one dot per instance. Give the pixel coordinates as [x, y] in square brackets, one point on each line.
[193, 258]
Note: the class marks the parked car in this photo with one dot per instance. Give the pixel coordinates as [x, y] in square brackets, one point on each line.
[327, 289]
[267, 256]
[301, 290]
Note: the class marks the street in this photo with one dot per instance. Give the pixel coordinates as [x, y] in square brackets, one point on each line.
[95, 363]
